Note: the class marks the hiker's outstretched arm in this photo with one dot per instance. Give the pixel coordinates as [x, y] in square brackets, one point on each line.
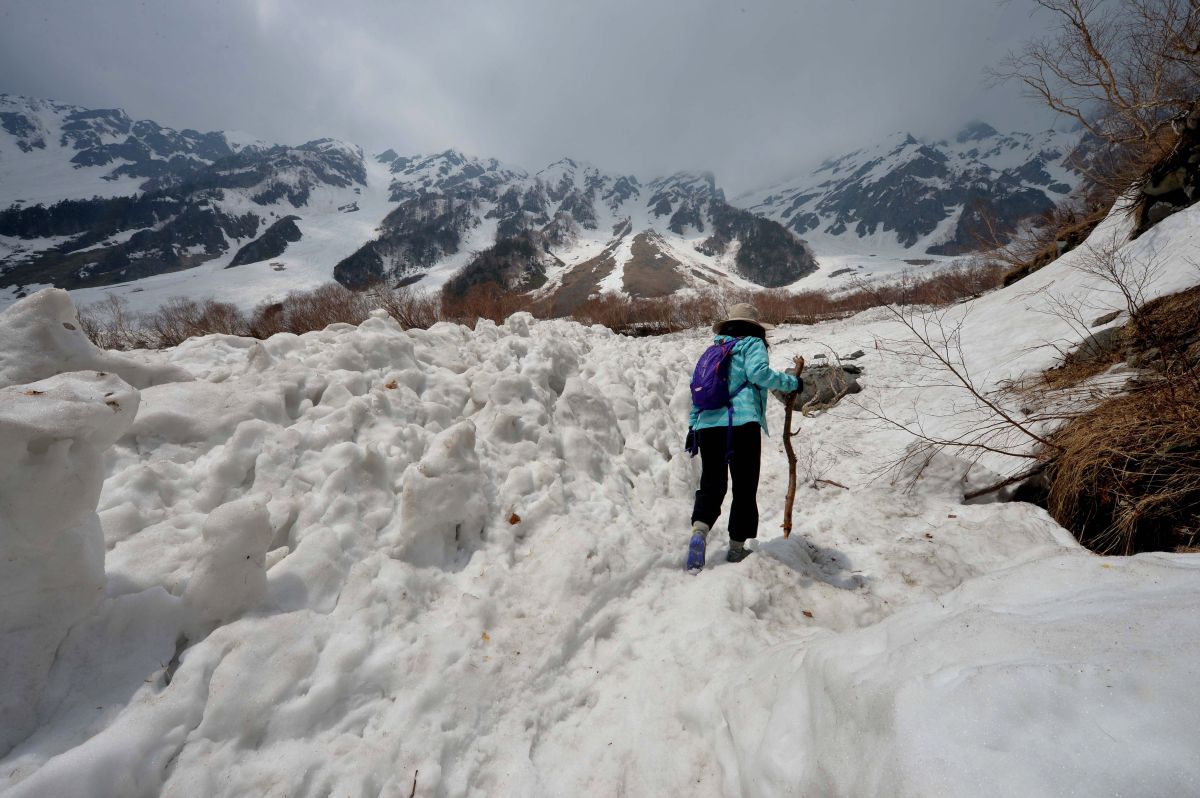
[759, 372]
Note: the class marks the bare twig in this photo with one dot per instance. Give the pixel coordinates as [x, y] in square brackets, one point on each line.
[1004, 483]
[830, 482]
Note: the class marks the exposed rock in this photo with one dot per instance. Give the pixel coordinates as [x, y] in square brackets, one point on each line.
[271, 244]
[515, 264]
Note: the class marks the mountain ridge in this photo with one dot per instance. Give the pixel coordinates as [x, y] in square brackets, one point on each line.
[95, 201]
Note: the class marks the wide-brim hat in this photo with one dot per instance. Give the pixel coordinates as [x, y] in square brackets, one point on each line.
[743, 311]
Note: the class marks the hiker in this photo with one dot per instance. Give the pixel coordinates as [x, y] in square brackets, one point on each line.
[728, 436]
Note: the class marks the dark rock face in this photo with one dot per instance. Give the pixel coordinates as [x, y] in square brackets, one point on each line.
[24, 129]
[271, 244]
[189, 233]
[1174, 183]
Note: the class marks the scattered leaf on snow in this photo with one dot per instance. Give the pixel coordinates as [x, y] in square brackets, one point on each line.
[514, 519]
[32, 392]
[392, 385]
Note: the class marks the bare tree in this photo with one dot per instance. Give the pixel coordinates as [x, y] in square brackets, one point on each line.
[1126, 71]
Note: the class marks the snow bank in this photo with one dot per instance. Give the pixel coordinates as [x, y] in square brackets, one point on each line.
[53, 435]
[40, 336]
[1066, 676]
[339, 560]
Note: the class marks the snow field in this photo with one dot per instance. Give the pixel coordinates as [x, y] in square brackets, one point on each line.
[334, 560]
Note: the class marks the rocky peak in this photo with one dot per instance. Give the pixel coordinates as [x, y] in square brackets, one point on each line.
[975, 131]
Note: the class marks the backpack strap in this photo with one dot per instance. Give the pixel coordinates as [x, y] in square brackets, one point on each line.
[729, 425]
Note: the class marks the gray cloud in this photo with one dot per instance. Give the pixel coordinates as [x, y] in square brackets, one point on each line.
[750, 89]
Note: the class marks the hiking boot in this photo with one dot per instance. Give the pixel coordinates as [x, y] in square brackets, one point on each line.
[697, 546]
[737, 552]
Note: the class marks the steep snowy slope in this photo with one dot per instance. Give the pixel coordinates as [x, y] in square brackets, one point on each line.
[362, 558]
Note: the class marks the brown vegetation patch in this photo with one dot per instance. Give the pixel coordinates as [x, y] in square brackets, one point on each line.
[1127, 478]
[1051, 235]
[1170, 324]
[1125, 475]
[112, 326]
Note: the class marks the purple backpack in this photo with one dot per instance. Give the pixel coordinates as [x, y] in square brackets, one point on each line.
[710, 386]
[710, 380]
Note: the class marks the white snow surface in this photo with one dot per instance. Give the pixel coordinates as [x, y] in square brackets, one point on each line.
[339, 563]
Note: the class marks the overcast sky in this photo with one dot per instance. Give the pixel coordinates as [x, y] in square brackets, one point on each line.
[750, 89]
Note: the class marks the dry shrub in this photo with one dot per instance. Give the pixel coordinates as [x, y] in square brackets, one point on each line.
[1079, 366]
[1128, 476]
[181, 318]
[486, 301]
[649, 316]
[1048, 237]
[957, 281]
[111, 325]
[409, 308]
[304, 311]
[1169, 328]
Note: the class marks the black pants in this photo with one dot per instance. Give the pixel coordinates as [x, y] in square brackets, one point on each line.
[743, 512]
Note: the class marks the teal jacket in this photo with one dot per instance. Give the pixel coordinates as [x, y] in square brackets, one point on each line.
[748, 365]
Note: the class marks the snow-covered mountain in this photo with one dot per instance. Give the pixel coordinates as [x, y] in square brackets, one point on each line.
[92, 199]
[568, 231]
[916, 197]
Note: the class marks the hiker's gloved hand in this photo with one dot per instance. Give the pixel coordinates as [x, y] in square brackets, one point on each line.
[690, 444]
[795, 369]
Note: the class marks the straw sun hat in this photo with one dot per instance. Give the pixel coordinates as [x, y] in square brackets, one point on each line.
[743, 311]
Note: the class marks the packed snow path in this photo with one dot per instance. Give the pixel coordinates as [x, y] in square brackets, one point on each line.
[339, 563]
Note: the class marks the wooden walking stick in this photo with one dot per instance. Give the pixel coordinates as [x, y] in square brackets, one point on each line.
[788, 404]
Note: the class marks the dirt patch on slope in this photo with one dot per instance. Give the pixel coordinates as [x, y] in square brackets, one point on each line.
[582, 281]
[651, 272]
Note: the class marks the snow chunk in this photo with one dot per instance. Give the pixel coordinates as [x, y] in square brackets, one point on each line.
[40, 336]
[231, 577]
[442, 507]
[53, 435]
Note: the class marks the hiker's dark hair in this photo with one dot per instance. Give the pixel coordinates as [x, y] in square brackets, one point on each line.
[744, 329]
